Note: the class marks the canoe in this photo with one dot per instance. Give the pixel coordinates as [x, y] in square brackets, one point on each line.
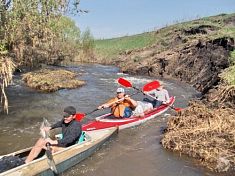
[63, 159]
[106, 122]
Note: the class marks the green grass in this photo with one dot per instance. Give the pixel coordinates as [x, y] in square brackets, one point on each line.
[232, 57]
[229, 74]
[110, 48]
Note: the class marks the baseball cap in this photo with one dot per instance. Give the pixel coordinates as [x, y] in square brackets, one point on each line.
[69, 110]
[120, 90]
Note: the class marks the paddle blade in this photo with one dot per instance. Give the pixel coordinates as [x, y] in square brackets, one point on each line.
[177, 109]
[79, 116]
[50, 160]
[124, 82]
[151, 86]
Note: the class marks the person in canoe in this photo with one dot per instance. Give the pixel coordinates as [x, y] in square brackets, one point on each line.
[71, 132]
[121, 106]
[161, 95]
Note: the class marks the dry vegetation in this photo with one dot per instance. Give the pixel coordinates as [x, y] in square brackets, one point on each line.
[224, 94]
[52, 80]
[206, 132]
[6, 69]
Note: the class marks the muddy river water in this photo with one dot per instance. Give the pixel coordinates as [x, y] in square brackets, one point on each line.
[136, 151]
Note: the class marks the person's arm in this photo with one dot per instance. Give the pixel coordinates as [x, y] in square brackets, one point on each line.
[107, 105]
[133, 102]
[103, 106]
[152, 93]
[57, 125]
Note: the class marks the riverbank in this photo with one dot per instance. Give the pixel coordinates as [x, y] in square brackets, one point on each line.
[195, 52]
[200, 53]
[205, 131]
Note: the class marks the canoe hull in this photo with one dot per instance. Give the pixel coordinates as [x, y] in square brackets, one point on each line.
[64, 159]
[103, 122]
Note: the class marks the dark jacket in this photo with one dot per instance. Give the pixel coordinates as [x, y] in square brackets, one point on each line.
[71, 132]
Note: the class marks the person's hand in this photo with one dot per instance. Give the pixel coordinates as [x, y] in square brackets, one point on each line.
[51, 141]
[103, 106]
[100, 107]
[127, 97]
[167, 101]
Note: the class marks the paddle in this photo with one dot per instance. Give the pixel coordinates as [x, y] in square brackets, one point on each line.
[80, 116]
[50, 159]
[147, 87]
[151, 86]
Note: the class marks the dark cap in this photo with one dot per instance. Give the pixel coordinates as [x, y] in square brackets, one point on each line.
[70, 110]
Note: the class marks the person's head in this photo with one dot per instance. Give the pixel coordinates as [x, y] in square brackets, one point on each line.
[120, 92]
[69, 114]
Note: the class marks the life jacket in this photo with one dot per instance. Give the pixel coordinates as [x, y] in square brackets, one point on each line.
[117, 109]
[79, 116]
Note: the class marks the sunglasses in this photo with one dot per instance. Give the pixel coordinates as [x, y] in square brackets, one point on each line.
[66, 115]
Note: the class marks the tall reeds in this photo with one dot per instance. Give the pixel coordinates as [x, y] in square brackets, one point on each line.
[6, 69]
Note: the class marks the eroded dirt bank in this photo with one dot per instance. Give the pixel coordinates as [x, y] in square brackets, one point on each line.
[198, 63]
[195, 52]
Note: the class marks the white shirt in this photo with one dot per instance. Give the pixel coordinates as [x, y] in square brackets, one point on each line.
[160, 94]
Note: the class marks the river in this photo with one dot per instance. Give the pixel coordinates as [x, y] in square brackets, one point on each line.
[136, 151]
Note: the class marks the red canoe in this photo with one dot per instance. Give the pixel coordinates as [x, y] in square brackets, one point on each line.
[104, 121]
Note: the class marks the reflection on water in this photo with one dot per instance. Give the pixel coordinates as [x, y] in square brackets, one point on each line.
[134, 151]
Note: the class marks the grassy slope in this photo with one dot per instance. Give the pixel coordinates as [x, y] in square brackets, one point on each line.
[229, 74]
[110, 48]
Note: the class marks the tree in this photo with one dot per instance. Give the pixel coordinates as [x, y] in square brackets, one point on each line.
[87, 44]
[34, 32]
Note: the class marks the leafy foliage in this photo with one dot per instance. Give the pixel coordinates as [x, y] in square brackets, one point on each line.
[34, 32]
[87, 45]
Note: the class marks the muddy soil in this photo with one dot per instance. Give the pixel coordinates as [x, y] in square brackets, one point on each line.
[198, 63]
